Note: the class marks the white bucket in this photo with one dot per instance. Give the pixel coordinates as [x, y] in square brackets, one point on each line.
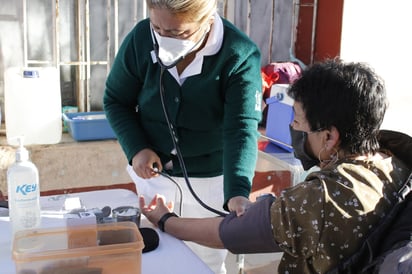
[32, 105]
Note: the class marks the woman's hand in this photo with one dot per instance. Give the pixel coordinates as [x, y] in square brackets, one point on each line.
[204, 231]
[239, 204]
[156, 208]
[143, 163]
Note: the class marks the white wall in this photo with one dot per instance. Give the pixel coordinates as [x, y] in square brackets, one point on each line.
[379, 32]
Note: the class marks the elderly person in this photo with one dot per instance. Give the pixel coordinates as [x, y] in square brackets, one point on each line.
[184, 98]
[338, 111]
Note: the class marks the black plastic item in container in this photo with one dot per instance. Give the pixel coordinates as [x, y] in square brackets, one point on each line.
[4, 204]
[150, 239]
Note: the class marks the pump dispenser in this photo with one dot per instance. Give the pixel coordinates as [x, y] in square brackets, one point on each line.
[22, 154]
[23, 191]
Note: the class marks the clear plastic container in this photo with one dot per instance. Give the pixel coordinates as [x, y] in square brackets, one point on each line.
[32, 105]
[23, 191]
[102, 248]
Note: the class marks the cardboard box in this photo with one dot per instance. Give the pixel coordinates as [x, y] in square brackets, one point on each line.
[85, 126]
[117, 248]
[280, 116]
[276, 170]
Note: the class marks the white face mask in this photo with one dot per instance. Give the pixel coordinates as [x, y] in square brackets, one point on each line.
[171, 50]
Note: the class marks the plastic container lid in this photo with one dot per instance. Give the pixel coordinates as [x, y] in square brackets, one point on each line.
[110, 247]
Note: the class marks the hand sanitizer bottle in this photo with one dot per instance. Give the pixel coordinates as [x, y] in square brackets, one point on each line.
[23, 191]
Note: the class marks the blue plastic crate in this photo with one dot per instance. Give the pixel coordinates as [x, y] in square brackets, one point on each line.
[280, 116]
[84, 126]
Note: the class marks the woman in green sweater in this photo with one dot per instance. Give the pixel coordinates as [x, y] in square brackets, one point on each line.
[189, 63]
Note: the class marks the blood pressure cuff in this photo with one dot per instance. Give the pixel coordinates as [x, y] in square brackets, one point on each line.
[251, 232]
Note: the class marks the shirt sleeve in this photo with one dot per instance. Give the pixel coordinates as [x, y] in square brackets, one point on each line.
[242, 99]
[251, 232]
[120, 98]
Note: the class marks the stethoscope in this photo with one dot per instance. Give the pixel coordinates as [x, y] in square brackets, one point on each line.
[172, 131]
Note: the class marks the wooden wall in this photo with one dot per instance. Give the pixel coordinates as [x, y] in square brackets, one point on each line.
[269, 23]
[306, 31]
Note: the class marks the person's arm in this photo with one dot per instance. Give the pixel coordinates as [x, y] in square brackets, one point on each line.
[120, 100]
[204, 231]
[249, 233]
[242, 97]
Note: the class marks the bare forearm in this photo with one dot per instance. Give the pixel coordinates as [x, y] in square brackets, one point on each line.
[203, 231]
[249, 233]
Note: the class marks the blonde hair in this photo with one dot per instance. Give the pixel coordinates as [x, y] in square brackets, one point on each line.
[190, 10]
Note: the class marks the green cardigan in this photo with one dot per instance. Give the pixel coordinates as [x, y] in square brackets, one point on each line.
[215, 113]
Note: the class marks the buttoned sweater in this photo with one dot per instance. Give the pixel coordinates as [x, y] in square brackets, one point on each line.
[215, 114]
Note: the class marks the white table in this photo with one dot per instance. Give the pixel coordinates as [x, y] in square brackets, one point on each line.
[172, 256]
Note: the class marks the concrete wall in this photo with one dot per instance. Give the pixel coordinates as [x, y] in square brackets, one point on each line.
[71, 164]
[269, 24]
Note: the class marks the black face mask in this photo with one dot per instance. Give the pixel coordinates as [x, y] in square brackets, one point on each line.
[298, 143]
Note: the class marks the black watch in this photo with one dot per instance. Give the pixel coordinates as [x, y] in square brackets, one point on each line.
[161, 222]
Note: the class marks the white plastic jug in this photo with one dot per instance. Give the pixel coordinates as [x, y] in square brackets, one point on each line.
[32, 105]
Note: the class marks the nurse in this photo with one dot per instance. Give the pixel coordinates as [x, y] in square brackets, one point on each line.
[184, 99]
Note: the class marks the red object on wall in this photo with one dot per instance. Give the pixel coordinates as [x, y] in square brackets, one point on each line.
[327, 33]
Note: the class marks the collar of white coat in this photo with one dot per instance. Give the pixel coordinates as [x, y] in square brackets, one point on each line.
[213, 45]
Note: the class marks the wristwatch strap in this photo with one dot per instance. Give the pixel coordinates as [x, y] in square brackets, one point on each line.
[161, 222]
